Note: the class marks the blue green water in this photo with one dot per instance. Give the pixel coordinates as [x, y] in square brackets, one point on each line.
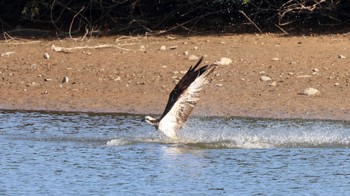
[90, 154]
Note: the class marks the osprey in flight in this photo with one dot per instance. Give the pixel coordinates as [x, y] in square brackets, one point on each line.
[182, 100]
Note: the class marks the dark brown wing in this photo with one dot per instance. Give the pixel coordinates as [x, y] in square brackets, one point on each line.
[183, 84]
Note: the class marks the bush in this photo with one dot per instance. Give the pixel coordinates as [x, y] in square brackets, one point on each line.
[130, 16]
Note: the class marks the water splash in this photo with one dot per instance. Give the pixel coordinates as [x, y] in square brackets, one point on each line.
[254, 133]
[204, 132]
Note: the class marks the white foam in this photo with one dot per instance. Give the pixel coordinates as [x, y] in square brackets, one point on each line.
[236, 133]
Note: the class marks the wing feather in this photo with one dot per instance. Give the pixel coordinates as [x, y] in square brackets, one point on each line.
[181, 108]
[182, 85]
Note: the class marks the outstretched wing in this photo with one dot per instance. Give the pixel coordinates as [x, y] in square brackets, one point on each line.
[184, 97]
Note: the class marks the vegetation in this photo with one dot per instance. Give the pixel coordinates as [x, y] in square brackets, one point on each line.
[163, 16]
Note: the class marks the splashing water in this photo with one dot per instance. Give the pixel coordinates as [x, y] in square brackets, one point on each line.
[253, 133]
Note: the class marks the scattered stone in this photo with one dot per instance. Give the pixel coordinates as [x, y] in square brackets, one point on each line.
[262, 72]
[65, 79]
[186, 53]
[224, 61]
[46, 55]
[193, 57]
[290, 73]
[315, 71]
[265, 78]
[117, 79]
[219, 85]
[142, 48]
[276, 59]
[163, 48]
[47, 79]
[172, 47]
[195, 48]
[273, 84]
[304, 76]
[341, 56]
[311, 92]
[7, 54]
[336, 84]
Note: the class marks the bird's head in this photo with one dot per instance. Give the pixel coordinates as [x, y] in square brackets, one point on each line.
[152, 121]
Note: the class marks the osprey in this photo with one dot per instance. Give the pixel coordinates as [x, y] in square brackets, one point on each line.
[181, 100]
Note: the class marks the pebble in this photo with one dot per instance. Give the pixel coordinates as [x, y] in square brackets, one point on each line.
[195, 48]
[265, 78]
[336, 84]
[341, 56]
[46, 55]
[142, 48]
[276, 59]
[65, 79]
[315, 70]
[6, 54]
[163, 48]
[311, 92]
[193, 57]
[172, 47]
[117, 79]
[273, 84]
[186, 53]
[224, 61]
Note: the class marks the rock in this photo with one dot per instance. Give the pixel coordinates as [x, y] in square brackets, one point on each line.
[341, 56]
[265, 78]
[273, 84]
[304, 76]
[117, 79]
[142, 48]
[195, 48]
[172, 47]
[193, 57]
[315, 70]
[336, 84]
[46, 55]
[65, 79]
[186, 53]
[47, 79]
[6, 54]
[219, 85]
[276, 59]
[163, 48]
[224, 61]
[311, 92]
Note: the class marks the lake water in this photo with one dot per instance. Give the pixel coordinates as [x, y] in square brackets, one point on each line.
[90, 154]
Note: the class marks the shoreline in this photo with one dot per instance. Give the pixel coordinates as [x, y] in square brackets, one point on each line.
[137, 76]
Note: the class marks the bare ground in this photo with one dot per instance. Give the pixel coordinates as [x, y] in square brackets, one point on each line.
[132, 75]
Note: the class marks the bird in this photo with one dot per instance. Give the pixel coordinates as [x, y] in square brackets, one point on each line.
[182, 100]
